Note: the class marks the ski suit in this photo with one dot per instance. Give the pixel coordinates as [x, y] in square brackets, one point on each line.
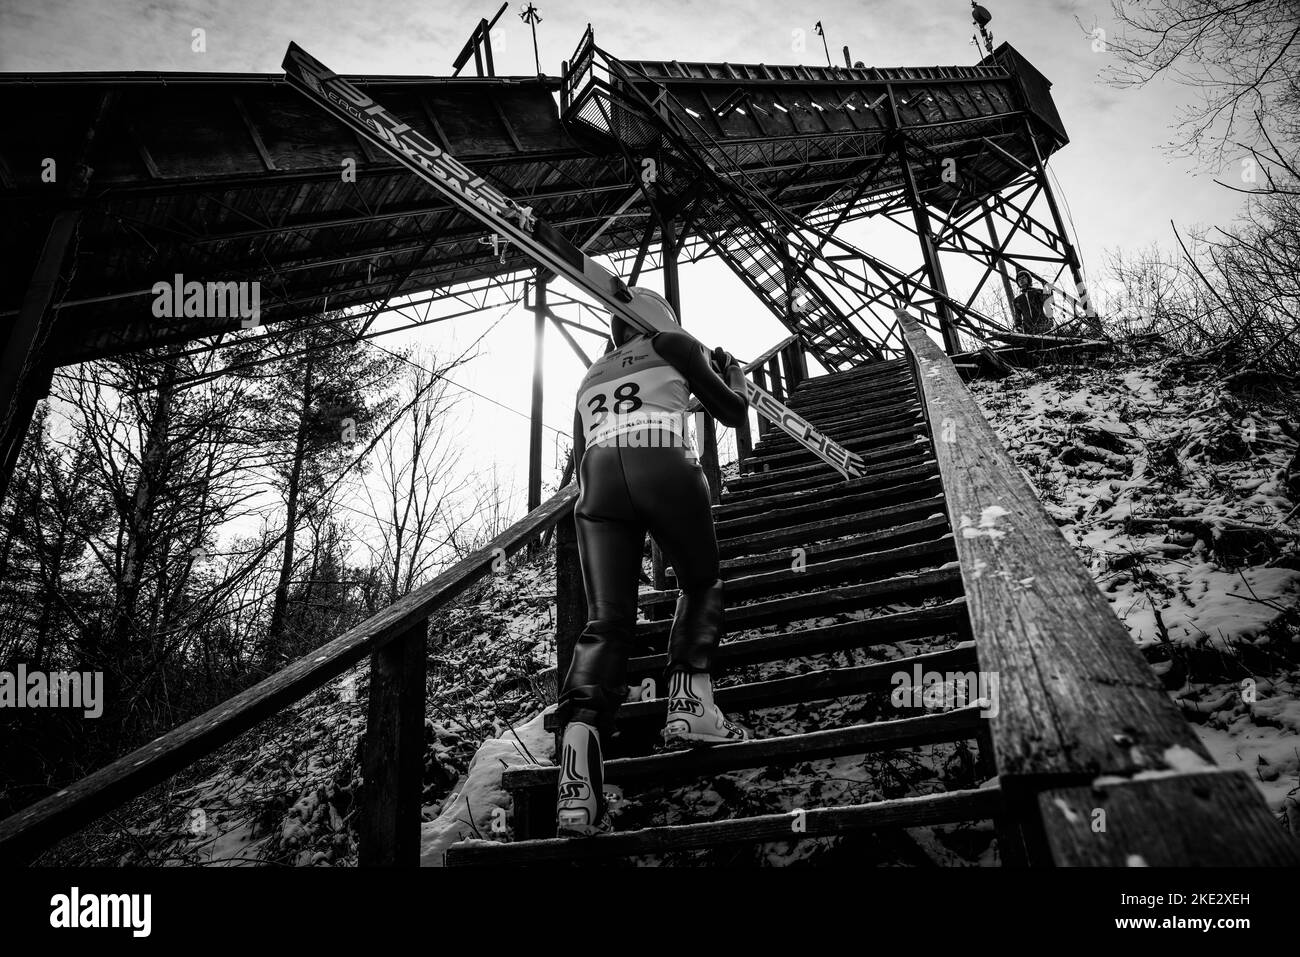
[638, 473]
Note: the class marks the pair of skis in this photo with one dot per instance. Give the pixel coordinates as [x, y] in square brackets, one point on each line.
[518, 225]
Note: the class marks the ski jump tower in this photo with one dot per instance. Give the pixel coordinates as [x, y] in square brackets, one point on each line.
[760, 164]
[229, 178]
[232, 177]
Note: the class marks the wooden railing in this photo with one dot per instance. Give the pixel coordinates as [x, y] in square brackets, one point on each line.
[1096, 763]
[393, 755]
[785, 365]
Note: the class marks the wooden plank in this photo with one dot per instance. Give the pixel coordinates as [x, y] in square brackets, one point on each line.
[919, 457]
[777, 499]
[758, 477]
[1207, 819]
[934, 583]
[570, 597]
[889, 439]
[253, 134]
[392, 764]
[806, 533]
[931, 621]
[505, 122]
[799, 511]
[1076, 697]
[958, 724]
[814, 822]
[893, 411]
[853, 428]
[837, 571]
[813, 686]
[893, 536]
[49, 819]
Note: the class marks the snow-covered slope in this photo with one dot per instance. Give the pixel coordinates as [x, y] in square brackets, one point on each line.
[1174, 490]
[1179, 494]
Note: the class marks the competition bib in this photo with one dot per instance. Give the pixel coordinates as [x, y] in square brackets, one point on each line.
[631, 388]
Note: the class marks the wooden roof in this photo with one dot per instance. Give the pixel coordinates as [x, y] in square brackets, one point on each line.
[223, 177]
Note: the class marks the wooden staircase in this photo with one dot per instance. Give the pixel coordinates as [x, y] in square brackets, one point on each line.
[876, 552]
[1083, 760]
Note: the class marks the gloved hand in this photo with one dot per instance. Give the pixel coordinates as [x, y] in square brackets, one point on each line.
[720, 358]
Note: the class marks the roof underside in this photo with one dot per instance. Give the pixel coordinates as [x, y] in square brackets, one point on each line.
[238, 177]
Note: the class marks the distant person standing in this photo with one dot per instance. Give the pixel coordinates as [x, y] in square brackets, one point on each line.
[1032, 308]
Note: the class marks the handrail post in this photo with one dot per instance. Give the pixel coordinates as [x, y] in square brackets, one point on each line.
[792, 362]
[764, 423]
[774, 371]
[570, 597]
[744, 441]
[535, 413]
[392, 764]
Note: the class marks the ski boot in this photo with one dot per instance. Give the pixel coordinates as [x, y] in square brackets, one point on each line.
[581, 809]
[693, 718]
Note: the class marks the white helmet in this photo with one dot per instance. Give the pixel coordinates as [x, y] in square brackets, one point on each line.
[622, 331]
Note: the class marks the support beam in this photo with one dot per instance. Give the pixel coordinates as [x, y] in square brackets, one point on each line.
[929, 251]
[393, 757]
[570, 597]
[535, 420]
[1000, 260]
[25, 365]
[1071, 255]
[706, 429]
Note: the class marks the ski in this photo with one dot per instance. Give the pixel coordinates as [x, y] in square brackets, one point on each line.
[517, 224]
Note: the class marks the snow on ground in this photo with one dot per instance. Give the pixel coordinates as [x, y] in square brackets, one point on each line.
[285, 792]
[479, 807]
[1178, 494]
[1174, 491]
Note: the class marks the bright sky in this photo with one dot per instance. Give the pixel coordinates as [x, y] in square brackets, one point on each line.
[1120, 188]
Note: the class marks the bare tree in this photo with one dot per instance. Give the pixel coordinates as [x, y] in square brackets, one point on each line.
[416, 483]
[1242, 60]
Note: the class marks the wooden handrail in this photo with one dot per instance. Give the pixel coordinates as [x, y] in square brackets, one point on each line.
[1076, 701]
[48, 820]
[749, 367]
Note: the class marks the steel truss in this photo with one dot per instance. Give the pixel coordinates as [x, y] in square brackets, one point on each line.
[838, 297]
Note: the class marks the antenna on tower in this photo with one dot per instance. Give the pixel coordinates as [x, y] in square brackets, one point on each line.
[825, 46]
[531, 17]
[982, 18]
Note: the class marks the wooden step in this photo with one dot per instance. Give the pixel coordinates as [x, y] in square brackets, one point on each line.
[817, 388]
[958, 724]
[770, 477]
[854, 377]
[864, 544]
[829, 477]
[799, 509]
[930, 622]
[801, 455]
[863, 393]
[822, 493]
[810, 533]
[942, 582]
[859, 430]
[838, 403]
[904, 410]
[797, 689]
[833, 572]
[533, 788]
[858, 417]
[947, 808]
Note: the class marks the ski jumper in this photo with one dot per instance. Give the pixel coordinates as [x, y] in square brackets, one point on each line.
[637, 472]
